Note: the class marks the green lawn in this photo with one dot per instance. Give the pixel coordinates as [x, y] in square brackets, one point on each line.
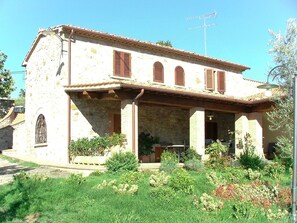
[80, 200]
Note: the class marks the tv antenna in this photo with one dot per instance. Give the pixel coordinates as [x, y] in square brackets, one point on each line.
[204, 26]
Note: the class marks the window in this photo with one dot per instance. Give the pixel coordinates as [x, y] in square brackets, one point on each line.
[158, 72]
[40, 130]
[221, 81]
[179, 76]
[122, 64]
[209, 79]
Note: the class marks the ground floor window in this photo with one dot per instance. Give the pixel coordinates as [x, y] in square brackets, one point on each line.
[40, 130]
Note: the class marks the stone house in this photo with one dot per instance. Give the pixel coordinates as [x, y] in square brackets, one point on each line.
[84, 83]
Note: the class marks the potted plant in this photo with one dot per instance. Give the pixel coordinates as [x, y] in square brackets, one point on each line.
[145, 146]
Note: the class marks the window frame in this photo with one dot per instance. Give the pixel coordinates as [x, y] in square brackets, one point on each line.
[119, 70]
[162, 72]
[176, 76]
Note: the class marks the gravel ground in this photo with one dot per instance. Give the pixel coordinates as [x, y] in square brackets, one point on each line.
[8, 169]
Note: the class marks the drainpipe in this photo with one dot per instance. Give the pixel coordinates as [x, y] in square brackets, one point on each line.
[69, 101]
[134, 120]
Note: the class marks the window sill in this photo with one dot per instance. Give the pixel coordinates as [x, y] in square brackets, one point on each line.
[40, 145]
[121, 78]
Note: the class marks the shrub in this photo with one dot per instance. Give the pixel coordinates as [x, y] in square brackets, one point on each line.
[181, 180]
[208, 203]
[215, 180]
[75, 179]
[126, 189]
[276, 215]
[95, 146]
[145, 143]
[189, 154]
[162, 193]
[106, 184]
[168, 162]
[124, 161]
[159, 179]
[215, 151]
[253, 174]
[273, 170]
[284, 151]
[248, 158]
[130, 177]
[243, 210]
[193, 164]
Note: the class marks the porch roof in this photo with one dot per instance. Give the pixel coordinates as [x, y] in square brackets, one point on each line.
[169, 95]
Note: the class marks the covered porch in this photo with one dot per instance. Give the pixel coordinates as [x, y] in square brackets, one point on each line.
[180, 118]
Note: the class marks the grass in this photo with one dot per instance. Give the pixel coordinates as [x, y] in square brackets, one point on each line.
[20, 162]
[65, 200]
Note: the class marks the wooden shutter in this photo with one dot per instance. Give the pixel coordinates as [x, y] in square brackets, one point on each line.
[209, 79]
[126, 64]
[122, 64]
[179, 76]
[158, 72]
[117, 63]
[221, 81]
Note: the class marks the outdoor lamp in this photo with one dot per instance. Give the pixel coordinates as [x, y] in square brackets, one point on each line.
[268, 87]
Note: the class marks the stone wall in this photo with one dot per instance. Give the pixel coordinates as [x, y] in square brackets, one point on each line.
[171, 125]
[6, 138]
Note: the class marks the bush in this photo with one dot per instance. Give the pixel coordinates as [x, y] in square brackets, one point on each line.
[130, 177]
[273, 170]
[163, 193]
[253, 174]
[75, 179]
[159, 179]
[248, 158]
[122, 162]
[243, 210]
[168, 162]
[215, 151]
[95, 146]
[181, 180]
[189, 154]
[193, 164]
[208, 203]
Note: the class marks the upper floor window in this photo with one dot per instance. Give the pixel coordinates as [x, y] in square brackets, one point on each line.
[122, 64]
[158, 72]
[215, 80]
[40, 130]
[179, 76]
[221, 81]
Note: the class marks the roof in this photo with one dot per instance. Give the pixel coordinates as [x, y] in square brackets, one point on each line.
[168, 51]
[172, 90]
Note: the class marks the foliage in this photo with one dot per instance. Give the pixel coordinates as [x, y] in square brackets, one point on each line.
[208, 203]
[131, 177]
[76, 179]
[123, 161]
[273, 170]
[284, 52]
[189, 154]
[243, 210]
[95, 146]
[253, 174]
[248, 158]
[215, 151]
[276, 215]
[158, 179]
[146, 142]
[126, 189]
[168, 162]
[106, 184]
[193, 164]
[164, 43]
[20, 101]
[181, 180]
[7, 82]
[214, 179]
[163, 193]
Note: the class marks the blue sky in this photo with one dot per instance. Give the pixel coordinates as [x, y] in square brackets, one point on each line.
[240, 33]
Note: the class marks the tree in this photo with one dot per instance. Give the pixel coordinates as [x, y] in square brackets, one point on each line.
[284, 52]
[164, 43]
[20, 101]
[6, 80]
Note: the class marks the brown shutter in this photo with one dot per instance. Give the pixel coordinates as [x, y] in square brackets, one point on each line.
[179, 76]
[158, 72]
[221, 81]
[127, 64]
[117, 63]
[209, 79]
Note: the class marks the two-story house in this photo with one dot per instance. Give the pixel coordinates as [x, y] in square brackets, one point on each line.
[83, 83]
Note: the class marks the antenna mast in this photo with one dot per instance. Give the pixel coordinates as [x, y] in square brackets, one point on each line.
[204, 26]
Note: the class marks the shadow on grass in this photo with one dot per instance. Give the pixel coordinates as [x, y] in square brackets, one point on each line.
[13, 169]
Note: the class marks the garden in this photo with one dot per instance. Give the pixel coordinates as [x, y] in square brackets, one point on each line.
[220, 189]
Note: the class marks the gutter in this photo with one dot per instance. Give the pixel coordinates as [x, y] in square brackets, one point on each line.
[68, 99]
[134, 121]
